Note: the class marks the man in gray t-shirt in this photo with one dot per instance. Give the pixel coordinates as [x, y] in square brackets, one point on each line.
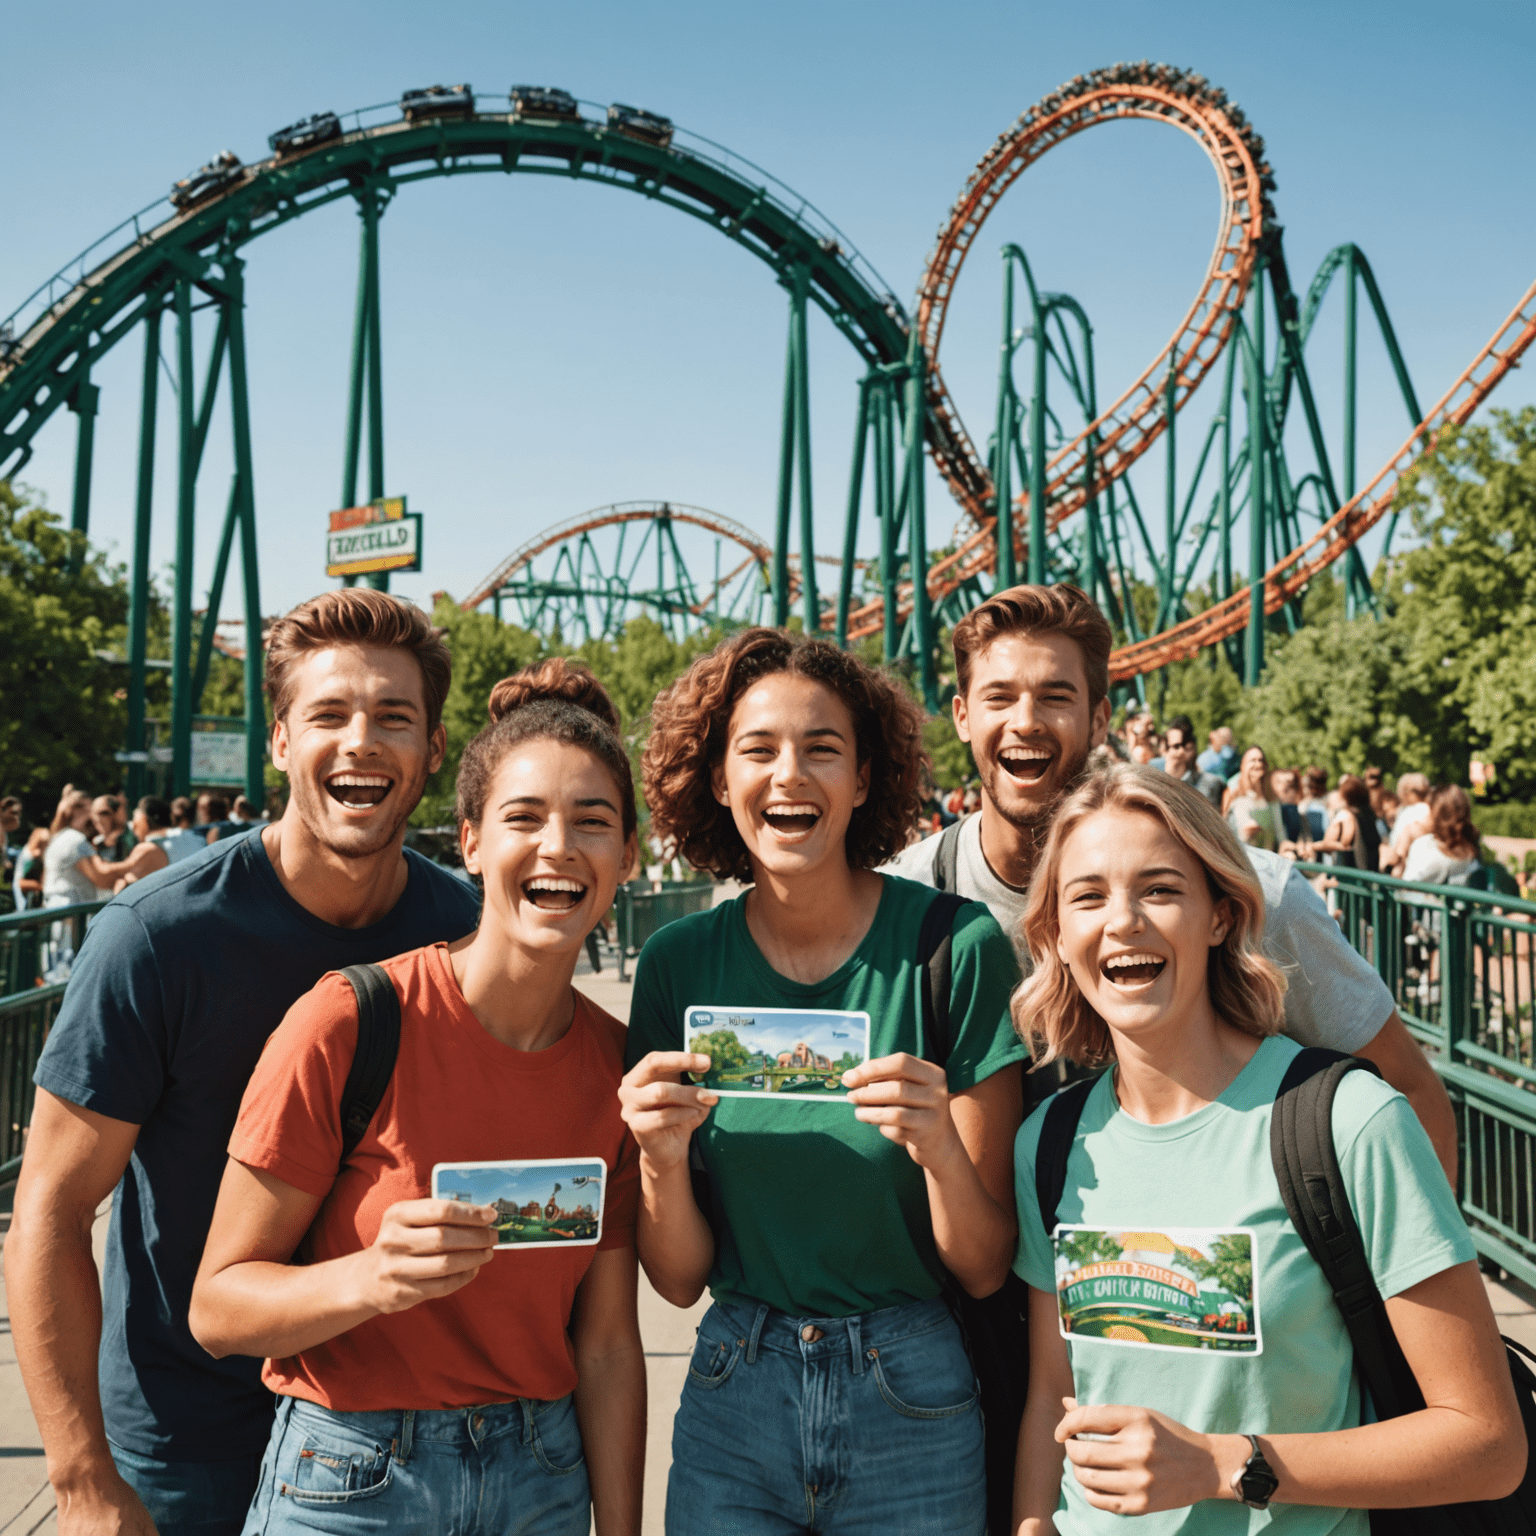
[1032, 675]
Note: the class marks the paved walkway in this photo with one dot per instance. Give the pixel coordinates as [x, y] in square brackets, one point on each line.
[26, 1502]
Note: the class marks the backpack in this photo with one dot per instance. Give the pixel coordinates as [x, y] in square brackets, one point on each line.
[378, 1046]
[1312, 1186]
[996, 1327]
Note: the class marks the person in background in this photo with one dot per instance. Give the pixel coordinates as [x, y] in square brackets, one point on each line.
[1220, 757]
[114, 839]
[10, 823]
[243, 812]
[1141, 738]
[1312, 805]
[1411, 821]
[1286, 785]
[1179, 760]
[1447, 854]
[1251, 807]
[65, 884]
[144, 856]
[1352, 837]
[213, 823]
[1377, 790]
[181, 842]
[28, 884]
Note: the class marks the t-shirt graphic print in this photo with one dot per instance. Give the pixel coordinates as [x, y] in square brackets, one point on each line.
[1177, 1288]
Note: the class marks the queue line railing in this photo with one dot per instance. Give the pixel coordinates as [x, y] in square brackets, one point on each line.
[1461, 966]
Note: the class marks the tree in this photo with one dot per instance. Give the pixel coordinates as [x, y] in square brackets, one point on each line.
[724, 1050]
[1449, 672]
[1230, 1264]
[62, 717]
[1082, 1247]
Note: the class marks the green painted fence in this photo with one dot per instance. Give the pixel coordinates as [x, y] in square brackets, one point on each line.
[1462, 966]
[640, 909]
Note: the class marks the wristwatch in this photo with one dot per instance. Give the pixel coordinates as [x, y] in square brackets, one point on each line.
[1255, 1482]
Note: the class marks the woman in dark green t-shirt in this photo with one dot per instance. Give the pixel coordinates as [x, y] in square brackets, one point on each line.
[831, 1196]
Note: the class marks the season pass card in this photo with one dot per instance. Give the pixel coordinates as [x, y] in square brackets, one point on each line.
[791, 1053]
[1181, 1288]
[547, 1202]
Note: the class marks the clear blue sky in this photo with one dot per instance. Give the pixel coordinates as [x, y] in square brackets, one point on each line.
[551, 347]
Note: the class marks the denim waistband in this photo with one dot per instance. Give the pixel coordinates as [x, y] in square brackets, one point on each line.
[759, 1326]
[403, 1428]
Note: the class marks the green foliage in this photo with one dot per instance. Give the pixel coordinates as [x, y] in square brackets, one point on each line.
[1230, 1264]
[1505, 820]
[953, 764]
[1084, 1247]
[62, 718]
[1449, 673]
[724, 1050]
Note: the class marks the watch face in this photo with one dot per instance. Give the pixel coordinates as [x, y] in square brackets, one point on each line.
[1258, 1486]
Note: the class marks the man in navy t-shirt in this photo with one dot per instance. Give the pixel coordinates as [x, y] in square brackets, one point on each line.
[172, 997]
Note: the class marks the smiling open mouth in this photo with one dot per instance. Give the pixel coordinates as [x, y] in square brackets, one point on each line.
[800, 817]
[554, 895]
[358, 791]
[1026, 765]
[1133, 970]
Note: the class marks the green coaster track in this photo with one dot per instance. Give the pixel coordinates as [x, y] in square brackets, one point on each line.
[1054, 455]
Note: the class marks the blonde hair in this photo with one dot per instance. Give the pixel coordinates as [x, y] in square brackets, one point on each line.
[1050, 1013]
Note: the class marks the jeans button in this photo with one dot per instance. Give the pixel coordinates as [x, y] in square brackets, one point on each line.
[477, 1423]
[810, 1333]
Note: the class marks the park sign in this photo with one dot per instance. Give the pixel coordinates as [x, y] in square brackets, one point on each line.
[381, 536]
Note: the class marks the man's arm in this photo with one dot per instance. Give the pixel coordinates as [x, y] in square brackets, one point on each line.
[143, 860]
[1401, 1060]
[74, 1159]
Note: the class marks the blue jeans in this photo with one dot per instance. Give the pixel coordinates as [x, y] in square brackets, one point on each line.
[502, 1468]
[848, 1425]
[191, 1498]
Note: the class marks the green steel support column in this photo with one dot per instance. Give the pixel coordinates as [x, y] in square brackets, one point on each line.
[1224, 491]
[138, 601]
[186, 511]
[922, 617]
[1351, 329]
[204, 660]
[83, 401]
[885, 510]
[1007, 423]
[786, 477]
[240, 409]
[1037, 450]
[355, 375]
[1170, 496]
[372, 207]
[1258, 458]
[811, 600]
[850, 522]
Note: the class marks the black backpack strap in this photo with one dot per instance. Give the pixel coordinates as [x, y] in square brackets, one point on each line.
[935, 945]
[946, 858]
[1056, 1137]
[1312, 1187]
[378, 1046]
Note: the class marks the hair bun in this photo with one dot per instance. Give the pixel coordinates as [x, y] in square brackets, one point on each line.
[559, 680]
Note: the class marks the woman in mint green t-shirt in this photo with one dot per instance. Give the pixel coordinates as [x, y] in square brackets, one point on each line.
[1187, 1353]
[832, 1196]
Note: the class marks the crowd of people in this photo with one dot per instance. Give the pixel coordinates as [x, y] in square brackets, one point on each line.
[266, 1049]
[93, 848]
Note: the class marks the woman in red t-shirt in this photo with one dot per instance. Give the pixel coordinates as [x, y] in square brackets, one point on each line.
[410, 1398]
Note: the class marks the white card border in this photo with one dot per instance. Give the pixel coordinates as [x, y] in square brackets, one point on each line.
[535, 1162]
[758, 1093]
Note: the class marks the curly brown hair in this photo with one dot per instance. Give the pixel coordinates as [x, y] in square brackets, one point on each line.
[691, 719]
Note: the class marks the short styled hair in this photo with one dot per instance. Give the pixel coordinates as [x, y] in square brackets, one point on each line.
[156, 812]
[1247, 990]
[691, 719]
[357, 616]
[1181, 723]
[1059, 610]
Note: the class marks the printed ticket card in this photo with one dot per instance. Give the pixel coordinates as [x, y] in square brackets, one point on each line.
[1178, 1288]
[788, 1053]
[545, 1202]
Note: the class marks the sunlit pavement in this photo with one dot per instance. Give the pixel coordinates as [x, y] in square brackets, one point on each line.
[26, 1502]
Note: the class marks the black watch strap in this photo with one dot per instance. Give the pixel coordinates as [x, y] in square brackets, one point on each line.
[1256, 1484]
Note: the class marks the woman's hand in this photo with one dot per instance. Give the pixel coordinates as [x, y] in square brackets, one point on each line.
[425, 1248]
[662, 1111]
[908, 1098]
[1146, 1461]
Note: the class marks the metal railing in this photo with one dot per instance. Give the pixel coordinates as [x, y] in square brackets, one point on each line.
[1461, 965]
[640, 909]
[25, 1020]
[34, 942]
